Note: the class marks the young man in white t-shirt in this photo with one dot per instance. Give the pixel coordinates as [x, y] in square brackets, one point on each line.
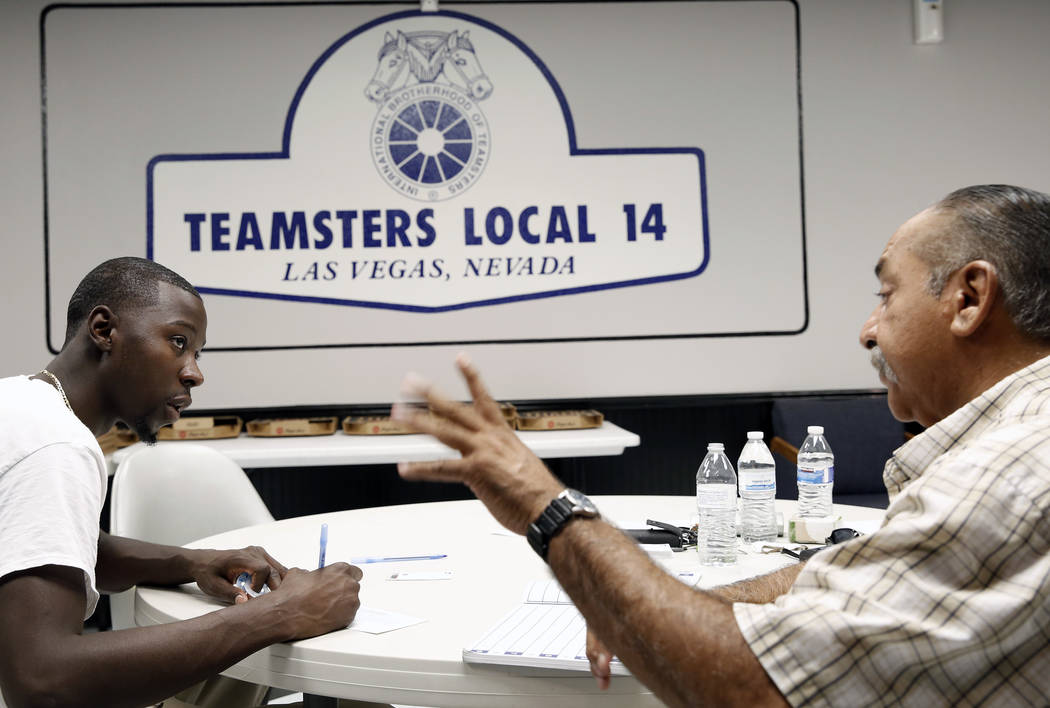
[134, 333]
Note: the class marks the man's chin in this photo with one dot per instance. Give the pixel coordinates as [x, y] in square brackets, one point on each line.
[898, 408]
[146, 432]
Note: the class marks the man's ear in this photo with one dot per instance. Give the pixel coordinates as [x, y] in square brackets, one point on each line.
[102, 323]
[973, 294]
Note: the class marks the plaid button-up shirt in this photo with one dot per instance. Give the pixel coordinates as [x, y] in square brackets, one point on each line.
[948, 603]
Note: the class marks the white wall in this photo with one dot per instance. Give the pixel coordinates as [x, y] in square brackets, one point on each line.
[889, 126]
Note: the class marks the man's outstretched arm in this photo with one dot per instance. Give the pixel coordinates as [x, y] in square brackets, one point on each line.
[762, 589]
[46, 659]
[123, 562]
[682, 643]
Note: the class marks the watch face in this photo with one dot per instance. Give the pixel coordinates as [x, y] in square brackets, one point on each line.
[580, 503]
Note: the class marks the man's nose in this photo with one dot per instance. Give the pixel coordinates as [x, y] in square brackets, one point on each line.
[192, 375]
[869, 331]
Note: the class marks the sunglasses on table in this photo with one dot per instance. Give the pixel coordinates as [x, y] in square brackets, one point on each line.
[837, 536]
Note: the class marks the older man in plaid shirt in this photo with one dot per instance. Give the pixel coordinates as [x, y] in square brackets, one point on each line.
[948, 602]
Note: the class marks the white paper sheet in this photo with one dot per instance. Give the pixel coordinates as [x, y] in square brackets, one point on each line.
[376, 621]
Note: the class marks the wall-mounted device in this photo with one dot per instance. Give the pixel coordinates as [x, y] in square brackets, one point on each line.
[929, 21]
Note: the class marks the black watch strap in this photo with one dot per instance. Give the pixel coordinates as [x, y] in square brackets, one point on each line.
[547, 526]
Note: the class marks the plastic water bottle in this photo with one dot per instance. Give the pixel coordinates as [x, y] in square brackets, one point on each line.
[716, 504]
[758, 487]
[816, 474]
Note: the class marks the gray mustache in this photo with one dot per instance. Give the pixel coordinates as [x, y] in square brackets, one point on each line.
[879, 362]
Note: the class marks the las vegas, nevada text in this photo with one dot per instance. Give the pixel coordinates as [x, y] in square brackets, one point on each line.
[358, 233]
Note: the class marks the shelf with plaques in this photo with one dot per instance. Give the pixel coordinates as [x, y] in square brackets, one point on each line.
[341, 449]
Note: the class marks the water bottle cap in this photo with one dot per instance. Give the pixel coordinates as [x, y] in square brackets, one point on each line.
[754, 435]
[815, 430]
[715, 447]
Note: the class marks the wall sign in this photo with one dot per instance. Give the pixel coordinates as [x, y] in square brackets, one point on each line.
[345, 175]
[425, 167]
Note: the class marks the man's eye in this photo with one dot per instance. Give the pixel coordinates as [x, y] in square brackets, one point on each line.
[179, 341]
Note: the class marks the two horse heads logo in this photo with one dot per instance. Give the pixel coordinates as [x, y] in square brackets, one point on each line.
[426, 56]
[430, 139]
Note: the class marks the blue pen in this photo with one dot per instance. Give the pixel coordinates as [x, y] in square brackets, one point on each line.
[394, 559]
[324, 545]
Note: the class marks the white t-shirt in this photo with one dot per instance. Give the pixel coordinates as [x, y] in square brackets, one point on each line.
[52, 483]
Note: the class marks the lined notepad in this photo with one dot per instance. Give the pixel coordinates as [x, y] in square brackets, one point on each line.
[545, 630]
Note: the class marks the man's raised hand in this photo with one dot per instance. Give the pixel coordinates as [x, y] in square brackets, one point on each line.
[501, 471]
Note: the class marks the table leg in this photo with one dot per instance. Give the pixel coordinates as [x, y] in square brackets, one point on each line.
[310, 701]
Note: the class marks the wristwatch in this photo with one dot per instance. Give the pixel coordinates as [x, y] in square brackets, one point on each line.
[565, 507]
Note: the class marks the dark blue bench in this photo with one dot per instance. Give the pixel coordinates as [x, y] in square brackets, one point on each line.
[862, 434]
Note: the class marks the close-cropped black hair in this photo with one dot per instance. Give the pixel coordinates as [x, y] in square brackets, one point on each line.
[121, 284]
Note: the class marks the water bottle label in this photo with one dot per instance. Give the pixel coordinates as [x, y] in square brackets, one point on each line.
[824, 476]
[716, 495]
[757, 480]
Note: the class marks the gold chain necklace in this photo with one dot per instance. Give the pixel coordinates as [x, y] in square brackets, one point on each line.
[58, 385]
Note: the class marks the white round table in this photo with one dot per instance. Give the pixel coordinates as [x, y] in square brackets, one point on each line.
[422, 665]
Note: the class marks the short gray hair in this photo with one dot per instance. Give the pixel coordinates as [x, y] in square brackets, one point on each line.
[1010, 228]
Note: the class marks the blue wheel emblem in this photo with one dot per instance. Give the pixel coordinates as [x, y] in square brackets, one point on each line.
[430, 142]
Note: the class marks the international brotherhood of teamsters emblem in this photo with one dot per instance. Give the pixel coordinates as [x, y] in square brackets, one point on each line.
[430, 140]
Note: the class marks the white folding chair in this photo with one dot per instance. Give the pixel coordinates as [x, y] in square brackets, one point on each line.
[173, 493]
